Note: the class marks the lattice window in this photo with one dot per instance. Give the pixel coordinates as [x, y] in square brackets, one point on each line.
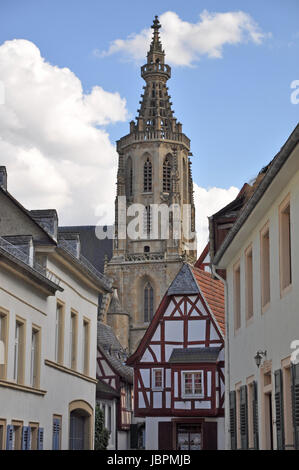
[192, 382]
[148, 302]
[166, 175]
[147, 221]
[147, 177]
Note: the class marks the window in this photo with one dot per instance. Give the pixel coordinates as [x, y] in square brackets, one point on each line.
[147, 177]
[185, 182]
[3, 343]
[109, 419]
[19, 351]
[56, 434]
[85, 347]
[73, 340]
[166, 175]
[128, 398]
[2, 433]
[237, 297]
[148, 302]
[33, 435]
[35, 358]
[192, 384]
[15, 435]
[189, 437]
[59, 333]
[147, 221]
[287, 403]
[285, 245]
[157, 379]
[129, 177]
[265, 266]
[249, 283]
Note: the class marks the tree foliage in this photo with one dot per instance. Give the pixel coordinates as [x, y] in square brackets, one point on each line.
[101, 435]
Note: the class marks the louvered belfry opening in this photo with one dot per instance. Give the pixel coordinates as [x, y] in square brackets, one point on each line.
[166, 175]
[147, 176]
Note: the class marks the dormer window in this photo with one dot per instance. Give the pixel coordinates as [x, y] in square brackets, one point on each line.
[192, 383]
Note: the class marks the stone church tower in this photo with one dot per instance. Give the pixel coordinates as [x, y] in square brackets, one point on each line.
[154, 168]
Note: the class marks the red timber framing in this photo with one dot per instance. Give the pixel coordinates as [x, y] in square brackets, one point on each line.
[107, 374]
[185, 324]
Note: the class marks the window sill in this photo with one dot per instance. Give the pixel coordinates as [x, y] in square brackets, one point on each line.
[192, 397]
[285, 291]
[21, 387]
[67, 370]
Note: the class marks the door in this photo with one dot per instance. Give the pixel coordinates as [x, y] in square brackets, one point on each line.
[78, 429]
[189, 437]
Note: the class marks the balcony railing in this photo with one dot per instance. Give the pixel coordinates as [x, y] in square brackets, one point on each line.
[107, 282]
[19, 254]
[140, 136]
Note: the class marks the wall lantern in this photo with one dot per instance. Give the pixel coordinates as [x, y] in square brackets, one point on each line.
[258, 357]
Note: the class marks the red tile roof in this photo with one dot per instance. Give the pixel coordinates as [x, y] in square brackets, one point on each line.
[213, 292]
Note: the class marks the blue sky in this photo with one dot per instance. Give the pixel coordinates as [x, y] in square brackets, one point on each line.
[235, 109]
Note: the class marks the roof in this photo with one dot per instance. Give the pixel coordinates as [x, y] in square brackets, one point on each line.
[183, 283]
[269, 173]
[92, 247]
[213, 292]
[194, 355]
[113, 351]
[103, 388]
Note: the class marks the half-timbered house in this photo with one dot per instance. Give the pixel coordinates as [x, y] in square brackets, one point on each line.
[179, 366]
[114, 387]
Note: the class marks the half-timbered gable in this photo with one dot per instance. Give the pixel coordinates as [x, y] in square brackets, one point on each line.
[179, 364]
[115, 379]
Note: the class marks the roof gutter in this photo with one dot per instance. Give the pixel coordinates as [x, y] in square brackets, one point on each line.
[277, 164]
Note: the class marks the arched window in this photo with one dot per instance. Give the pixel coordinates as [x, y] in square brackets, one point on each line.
[166, 175]
[147, 176]
[148, 302]
[129, 177]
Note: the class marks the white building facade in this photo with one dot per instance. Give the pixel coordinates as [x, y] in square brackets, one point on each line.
[261, 257]
[48, 328]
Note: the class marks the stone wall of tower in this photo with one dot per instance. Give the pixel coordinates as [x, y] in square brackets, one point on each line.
[130, 278]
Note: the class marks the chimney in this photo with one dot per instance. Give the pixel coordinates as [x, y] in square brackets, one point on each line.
[3, 177]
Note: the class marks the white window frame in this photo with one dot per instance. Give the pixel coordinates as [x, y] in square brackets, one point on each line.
[153, 378]
[193, 395]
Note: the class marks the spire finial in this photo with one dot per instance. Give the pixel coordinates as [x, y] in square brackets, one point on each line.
[156, 24]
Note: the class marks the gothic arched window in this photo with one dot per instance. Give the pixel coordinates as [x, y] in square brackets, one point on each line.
[148, 294]
[129, 178]
[166, 175]
[147, 176]
[185, 182]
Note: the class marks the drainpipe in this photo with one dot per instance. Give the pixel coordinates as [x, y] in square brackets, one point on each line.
[227, 362]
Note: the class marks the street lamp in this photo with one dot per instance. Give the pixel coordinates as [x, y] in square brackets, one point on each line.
[258, 357]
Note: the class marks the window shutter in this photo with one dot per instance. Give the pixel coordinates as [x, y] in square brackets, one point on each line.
[295, 403]
[9, 437]
[134, 436]
[279, 409]
[244, 417]
[165, 435]
[40, 439]
[55, 443]
[255, 417]
[232, 420]
[209, 435]
[25, 438]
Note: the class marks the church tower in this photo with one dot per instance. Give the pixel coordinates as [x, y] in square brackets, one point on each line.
[154, 185]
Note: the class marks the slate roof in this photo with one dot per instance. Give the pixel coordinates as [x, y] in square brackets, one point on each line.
[194, 355]
[213, 292]
[113, 351]
[105, 389]
[92, 247]
[183, 283]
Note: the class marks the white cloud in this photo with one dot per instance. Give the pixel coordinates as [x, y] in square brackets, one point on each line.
[53, 141]
[186, 42]
[207, 202]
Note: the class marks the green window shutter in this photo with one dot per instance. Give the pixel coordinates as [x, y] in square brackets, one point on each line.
[295, 403]
[279, 409]
[244, 417]
[232, 420]
[255, 418]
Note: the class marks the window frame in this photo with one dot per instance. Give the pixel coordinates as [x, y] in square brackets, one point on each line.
[154, 386]
[4, 337]
[237, 295]
[73, 340]
[265, 270]
[19, 362]
[85, 346]
[193, 395]
[148, 176]
[249, 297]
[148, 304]
[285, 252]
[59, 332]
[35, 378]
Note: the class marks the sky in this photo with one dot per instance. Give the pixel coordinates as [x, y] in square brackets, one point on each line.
[70, 81]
